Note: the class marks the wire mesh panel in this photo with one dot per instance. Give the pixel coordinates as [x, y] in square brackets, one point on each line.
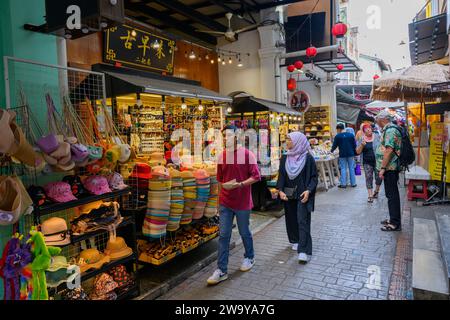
[34, 81]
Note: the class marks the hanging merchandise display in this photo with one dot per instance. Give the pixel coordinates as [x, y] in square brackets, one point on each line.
[176, 200]
[203, 182]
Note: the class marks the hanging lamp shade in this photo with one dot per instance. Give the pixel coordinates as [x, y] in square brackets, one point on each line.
[292, 84]
[340, 67]
[291, 68]
[298, 65]
[339, 30]
[311, 52]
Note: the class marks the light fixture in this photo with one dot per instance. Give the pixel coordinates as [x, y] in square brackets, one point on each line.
[272, 115]
[207, 57]
[185, 54]
[212, 61]
[230, 61]
[68, 35]
[85, 30]
[103, 24]
[285, 118]
[290, 117]
[240, 64]
[156, 45]
[163, 102]
[192, 55]
[138, 100]
[183, 104]
[229, 110]
[223, 62]
[134, 33]
[219, 59]
[200, 106]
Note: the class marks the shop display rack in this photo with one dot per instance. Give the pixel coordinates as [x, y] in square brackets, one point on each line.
[57, 207]
[95, 272]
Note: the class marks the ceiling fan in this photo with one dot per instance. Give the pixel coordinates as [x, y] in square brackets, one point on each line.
[230, 34]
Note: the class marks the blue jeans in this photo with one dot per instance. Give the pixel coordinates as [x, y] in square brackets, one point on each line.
[349, 163]
[226, 227]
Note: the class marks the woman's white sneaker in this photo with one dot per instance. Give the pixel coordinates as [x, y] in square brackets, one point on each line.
[217, 277]
[247, 264]
[303, 258]
[295, 247]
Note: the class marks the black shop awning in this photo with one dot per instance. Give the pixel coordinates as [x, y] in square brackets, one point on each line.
[121, 81]
[252, 104]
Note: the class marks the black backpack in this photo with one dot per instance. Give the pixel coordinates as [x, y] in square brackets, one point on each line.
[407, 154]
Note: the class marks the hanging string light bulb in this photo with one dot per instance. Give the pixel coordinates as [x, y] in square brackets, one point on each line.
[183, 104]
[200, 106]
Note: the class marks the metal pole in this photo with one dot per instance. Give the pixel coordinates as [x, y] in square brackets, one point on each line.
[7, 87]
[303, 52]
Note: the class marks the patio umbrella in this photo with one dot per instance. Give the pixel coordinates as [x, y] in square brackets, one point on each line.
[412, 84]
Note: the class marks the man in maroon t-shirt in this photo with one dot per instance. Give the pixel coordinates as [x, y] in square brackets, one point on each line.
[237, 170]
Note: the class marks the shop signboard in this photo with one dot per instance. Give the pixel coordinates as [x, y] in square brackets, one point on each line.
[134, 47]
[437, 139]
[439, 87]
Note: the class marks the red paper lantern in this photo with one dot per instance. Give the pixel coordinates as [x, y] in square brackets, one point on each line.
[291, 68]
[311, 52]
[340, 67]
[375, 77]
[298, 65]
[292, 84]
[339, 30]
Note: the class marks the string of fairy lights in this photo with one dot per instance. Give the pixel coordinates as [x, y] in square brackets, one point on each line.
[224, 57]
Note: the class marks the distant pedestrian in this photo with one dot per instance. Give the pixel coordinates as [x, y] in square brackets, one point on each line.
[387, 162]
[297, 183]
[347, 151]
[237, 170]
[367, 145]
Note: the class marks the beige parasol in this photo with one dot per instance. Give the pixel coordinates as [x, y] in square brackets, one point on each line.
[412, 84]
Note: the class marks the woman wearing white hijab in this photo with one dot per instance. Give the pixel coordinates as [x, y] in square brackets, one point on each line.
[297, 183]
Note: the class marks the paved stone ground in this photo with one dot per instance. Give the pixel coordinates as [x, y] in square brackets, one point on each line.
[346, 241]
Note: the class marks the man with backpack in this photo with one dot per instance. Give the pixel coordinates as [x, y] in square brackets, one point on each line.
[389, 163]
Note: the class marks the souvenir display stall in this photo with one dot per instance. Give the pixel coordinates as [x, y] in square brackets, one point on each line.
[316, 125]
[174, 190]
[272, 122]
[62, 193]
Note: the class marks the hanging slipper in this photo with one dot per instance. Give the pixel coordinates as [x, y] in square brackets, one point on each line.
[48, 144]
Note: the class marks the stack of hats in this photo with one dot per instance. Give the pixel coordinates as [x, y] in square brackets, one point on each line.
[190, 196]
[158, 205]
[203, 182]
[177, 200]
[212, 204]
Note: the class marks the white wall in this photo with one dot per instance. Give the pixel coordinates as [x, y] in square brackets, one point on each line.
[247, 78]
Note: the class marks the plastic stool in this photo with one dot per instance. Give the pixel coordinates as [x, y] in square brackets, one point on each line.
[417, 195]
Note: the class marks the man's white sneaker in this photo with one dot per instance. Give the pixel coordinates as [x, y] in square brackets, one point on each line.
[217, 277]
[302, 258]
[295, 247]
[247, 264]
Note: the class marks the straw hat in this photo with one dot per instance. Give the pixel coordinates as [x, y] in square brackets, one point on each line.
[14, 200]
[116, 248]
[92, 259]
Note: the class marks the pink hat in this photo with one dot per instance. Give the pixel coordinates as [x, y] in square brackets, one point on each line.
[115, 181]
[97, 185]
[59, 192]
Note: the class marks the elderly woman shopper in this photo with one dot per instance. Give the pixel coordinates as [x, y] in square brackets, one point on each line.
[367, 145]
[297, 183]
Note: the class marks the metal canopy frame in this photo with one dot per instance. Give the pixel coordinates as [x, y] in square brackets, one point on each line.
[332, 64]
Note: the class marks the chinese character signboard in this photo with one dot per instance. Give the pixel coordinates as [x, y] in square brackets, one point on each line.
[437, 139]
[136, 48]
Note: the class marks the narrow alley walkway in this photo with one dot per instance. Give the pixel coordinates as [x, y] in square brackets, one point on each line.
[346, 240]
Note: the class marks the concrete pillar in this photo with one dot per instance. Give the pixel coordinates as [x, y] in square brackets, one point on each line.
[269, 52]
[328, 98]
